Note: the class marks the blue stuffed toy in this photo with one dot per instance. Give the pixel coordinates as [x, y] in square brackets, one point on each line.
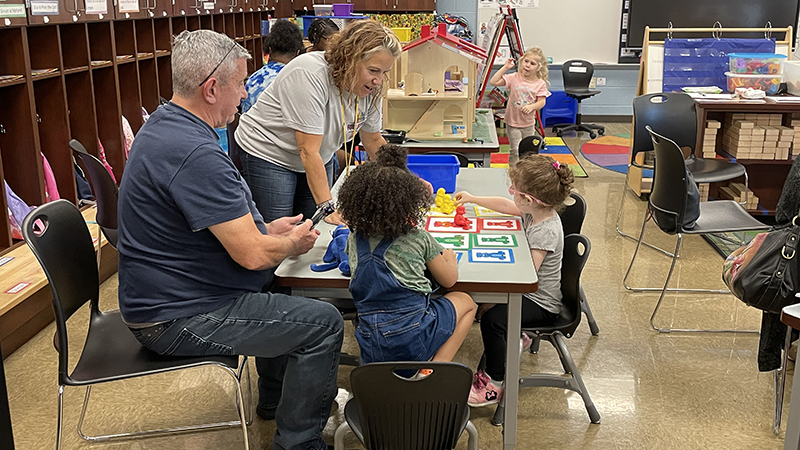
[335, 255]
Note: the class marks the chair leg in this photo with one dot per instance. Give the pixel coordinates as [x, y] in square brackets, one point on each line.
[569, 366]
[588, 311]
[499, 413]
[625, 188]
[471, 432]
[99, 245]
[244, 368]
[60, 424]
[780, 383]
[636, 252]
[535, 345]
[338, 437]
[151, 433]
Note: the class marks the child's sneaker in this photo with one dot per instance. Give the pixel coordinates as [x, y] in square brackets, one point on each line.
[484, 391]
[524, 343]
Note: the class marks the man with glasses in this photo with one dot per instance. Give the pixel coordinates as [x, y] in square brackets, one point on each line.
[195, 253]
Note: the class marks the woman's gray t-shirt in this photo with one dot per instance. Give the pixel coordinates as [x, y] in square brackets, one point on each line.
[547, 236]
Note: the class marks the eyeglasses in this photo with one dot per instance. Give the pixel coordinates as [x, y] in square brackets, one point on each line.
[217, 66]
[513, 191]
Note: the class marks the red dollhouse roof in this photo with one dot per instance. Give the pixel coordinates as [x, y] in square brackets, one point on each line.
[440, 37]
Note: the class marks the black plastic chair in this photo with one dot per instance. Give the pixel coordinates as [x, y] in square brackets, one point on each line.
[572, 218]
[104, 189]
[392, 412]
[576, 252]
[233, 147]
[59, 238]
[577, 75]
[667, 207]
[674, 115]
[531, 145]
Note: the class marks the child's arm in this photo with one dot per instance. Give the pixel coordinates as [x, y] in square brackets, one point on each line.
[531, 107]
[499, 204]
[444, 268]
[497, 78]
[538, 257]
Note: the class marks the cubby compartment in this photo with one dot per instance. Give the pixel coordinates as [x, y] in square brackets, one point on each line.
[80, 108]
[248, 24]
[163, 36]
[230, 25]
[74, 47]
[124, 38]
[5, 228]
[109, 121]
[219, 24]
[145, 40]
[193, 23]
[178, 25]
[12, 58]
[44, 51]
[100, 44]
[54, 133]
[148, 80]
[164, 77]
[258, 56]
[18, 144]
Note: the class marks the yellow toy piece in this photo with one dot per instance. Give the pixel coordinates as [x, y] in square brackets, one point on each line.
[443, 202]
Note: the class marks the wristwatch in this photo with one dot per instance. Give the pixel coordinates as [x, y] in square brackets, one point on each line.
[328, 204]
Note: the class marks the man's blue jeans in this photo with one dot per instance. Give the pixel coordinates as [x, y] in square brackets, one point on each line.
[267, 325]
[279, 192]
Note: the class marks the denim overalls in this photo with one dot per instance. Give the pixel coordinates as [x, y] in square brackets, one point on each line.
[394, 323]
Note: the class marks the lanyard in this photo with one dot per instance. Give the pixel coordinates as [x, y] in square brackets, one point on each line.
[348, 155]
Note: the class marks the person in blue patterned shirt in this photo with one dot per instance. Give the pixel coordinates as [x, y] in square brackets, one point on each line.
[282, 44]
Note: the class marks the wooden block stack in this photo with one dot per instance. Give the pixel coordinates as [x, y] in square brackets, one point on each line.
[757, 136]
[710, 140]
[796, 141]
[703, 188]
[738, 193]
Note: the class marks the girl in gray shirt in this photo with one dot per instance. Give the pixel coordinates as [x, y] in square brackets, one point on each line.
[539, 186]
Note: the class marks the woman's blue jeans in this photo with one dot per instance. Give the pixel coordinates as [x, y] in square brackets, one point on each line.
[307, 333]
[279, 192]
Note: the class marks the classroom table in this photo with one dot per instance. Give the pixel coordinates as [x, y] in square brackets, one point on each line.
[474, 151]
[790, 316]
[486, 283]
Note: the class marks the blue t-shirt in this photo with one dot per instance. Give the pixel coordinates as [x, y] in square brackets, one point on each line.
[259, 81]
[177, 183]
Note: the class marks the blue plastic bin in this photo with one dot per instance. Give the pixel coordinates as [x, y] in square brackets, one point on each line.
[438, 170]
[559, 108]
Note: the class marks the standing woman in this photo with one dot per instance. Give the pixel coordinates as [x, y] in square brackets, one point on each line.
[318, 101]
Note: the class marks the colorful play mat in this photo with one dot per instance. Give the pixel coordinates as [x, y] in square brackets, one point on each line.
[610, 152]
[555, 149]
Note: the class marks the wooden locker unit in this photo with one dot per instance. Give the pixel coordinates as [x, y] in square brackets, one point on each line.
[13, 13]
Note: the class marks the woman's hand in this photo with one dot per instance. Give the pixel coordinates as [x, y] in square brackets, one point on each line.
[463, 197]
[335, 219]
[510, 63]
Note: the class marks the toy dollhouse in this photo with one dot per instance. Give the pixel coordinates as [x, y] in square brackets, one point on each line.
[431, 88]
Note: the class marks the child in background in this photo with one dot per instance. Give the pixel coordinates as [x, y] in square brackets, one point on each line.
[398, 318]
[319, 32]
[528, 91]
[539, 186]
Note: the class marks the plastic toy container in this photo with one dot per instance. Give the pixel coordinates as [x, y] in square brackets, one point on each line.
[767, 83]
[438, 170]
[403, 33]
[791, 76]
[756, 63]
[323, 10]
[342, 9]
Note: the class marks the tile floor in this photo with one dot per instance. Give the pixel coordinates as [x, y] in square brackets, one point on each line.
[654, 391]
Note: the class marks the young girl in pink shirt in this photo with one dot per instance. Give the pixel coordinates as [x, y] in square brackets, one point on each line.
[528, 91]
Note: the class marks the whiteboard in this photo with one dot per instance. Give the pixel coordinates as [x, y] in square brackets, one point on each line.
[569, 29]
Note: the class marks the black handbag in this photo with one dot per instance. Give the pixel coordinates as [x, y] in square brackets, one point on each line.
[764, 273]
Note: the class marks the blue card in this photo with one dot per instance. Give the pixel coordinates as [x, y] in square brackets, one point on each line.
[491, 255]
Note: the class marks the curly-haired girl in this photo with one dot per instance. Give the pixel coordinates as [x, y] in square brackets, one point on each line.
[398, 318]
[528, 91]
[319, 101]
[539, 186]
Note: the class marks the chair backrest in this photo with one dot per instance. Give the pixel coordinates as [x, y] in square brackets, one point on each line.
[462, 158]
[670, 114]
[398, 413]
[104, 189]
[573, 215]
[233, 147]
[59, 238]
[576, 252]
[531, 144]
[577, 74]
[668, 194]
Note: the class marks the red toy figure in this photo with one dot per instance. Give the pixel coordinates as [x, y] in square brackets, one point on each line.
[459, 220]
[507, 224]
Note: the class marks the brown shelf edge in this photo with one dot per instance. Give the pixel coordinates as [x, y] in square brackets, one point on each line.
[78, 69]
[12, 82]
[44, 76]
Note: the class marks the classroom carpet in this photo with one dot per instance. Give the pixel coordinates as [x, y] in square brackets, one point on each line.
[609, 152]
[556, 149]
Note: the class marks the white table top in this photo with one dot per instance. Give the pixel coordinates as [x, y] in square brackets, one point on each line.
[518, 277]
